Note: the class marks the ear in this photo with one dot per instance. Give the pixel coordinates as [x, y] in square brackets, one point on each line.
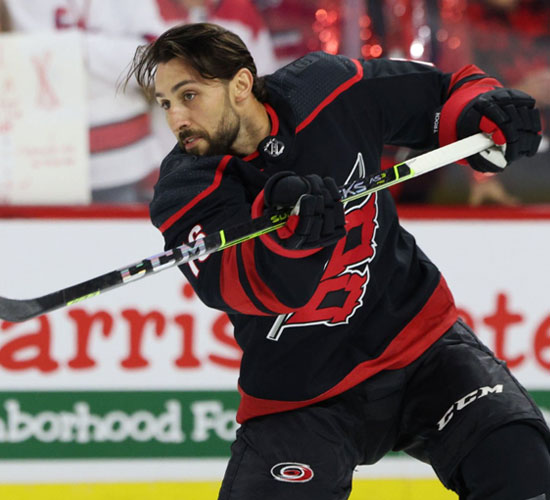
[241, 85]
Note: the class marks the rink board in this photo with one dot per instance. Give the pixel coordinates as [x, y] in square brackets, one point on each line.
[138, 384]
[382, 489]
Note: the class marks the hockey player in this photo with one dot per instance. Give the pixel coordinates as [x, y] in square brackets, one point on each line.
[351, 342]
[239, 16]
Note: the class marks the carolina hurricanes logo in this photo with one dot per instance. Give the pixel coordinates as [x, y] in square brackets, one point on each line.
[292, 472]
[344, 282]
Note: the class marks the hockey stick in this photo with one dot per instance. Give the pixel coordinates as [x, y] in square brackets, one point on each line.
[20, 310]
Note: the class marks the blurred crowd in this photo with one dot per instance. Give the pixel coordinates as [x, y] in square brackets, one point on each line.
[509, 39]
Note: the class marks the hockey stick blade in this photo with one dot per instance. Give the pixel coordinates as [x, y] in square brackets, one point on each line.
[16, 310]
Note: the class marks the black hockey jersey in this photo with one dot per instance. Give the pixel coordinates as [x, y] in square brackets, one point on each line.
[314, 323]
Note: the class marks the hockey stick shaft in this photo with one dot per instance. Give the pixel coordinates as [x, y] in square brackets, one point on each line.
[22, 309]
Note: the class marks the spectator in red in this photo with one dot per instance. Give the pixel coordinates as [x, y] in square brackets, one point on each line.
[291, 25]
[510, 39]
[123, 149]
[240, 16]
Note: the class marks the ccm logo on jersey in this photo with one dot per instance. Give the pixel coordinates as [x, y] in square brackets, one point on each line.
[465, 401]
[292, 472]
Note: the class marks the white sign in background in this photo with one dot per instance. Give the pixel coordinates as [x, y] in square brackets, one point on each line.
[179, 345]
[496, 269]
[43, 119]
[498, 272]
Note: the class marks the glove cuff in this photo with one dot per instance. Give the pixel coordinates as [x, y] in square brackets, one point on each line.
[452, 110]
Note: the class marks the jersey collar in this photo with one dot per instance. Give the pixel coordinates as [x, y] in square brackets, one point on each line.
[274, 130]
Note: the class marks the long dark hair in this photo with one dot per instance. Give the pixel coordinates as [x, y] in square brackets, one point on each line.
[213, 51]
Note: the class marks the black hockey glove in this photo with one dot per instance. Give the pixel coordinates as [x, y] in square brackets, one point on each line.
[318, 217]
[511, 117]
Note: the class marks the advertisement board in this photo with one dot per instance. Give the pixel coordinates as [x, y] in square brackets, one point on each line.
[139, 383]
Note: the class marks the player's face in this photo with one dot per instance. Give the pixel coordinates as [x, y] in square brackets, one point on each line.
[198, 110]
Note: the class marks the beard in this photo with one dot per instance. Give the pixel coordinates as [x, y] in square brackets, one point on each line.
[222, 140]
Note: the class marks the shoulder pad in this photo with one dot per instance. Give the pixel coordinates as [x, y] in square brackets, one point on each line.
[182, 179]
[306, 82]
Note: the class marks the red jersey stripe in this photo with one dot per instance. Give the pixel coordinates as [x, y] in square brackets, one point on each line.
[231, 288]
[260, 289]
[274, 129]
[434, 319]
[168, 223]
[251, 156]
[274, 119]
[333, 95]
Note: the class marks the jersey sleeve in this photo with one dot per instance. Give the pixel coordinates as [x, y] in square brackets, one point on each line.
[197, 196]
[416, 104]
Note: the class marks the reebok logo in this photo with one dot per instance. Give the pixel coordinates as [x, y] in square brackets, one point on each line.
[437, 117]
[465, 401]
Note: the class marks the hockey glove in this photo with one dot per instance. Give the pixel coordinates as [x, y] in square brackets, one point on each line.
[318, 217]
[510, 116]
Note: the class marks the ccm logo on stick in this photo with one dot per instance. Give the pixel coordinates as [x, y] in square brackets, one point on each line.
[292, 472]
[465, 401]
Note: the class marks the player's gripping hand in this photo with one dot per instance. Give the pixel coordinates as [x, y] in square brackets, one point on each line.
[512, 119]
[317, 219]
